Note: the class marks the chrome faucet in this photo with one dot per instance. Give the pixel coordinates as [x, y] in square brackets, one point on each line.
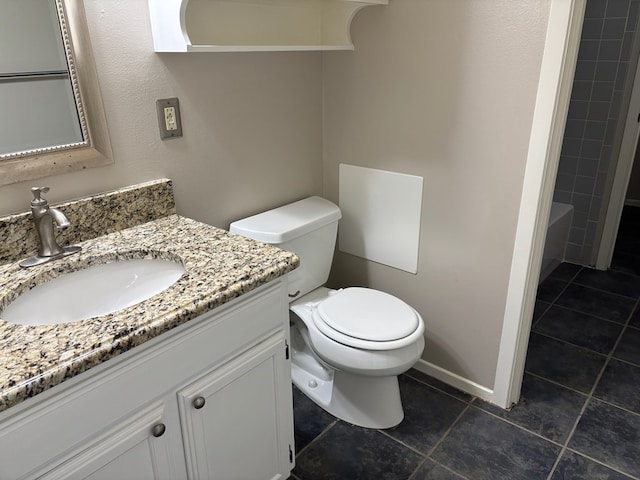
[44, 218]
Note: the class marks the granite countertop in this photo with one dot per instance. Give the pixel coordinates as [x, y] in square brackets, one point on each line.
[219, 267]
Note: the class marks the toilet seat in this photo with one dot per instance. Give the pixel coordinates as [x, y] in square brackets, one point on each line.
[367, 319]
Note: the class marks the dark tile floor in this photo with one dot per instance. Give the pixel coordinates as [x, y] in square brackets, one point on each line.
[578, 417]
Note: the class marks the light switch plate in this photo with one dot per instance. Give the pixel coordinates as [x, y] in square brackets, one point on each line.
[169, 118]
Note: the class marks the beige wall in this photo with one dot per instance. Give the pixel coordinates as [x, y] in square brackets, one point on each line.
[445, 90]
[252, 122]
[441, 88]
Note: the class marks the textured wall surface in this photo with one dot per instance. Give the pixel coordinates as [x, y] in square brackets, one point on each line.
[252, 123]
[446, 91]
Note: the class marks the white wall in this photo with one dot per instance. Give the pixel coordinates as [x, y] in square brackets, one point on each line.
[445, 90]
[252, 122]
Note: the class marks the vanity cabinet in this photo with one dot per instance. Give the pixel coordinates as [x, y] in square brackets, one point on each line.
[210, 399]
[253, 25]
[228, 433]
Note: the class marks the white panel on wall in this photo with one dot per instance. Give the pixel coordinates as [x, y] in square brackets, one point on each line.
[380, 216]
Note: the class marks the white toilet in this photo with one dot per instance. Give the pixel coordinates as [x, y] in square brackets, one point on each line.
[349, 345]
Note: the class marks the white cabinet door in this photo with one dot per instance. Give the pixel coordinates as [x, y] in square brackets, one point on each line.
[136, 449]
[236, 420]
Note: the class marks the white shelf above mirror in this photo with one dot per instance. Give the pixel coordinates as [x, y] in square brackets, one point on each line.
[253, 25]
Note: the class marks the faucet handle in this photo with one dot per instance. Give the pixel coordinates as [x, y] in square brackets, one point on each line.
[37, 199]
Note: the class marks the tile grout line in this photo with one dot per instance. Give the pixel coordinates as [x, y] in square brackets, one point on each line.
[563, 448]
[553, 382]
[556, 297]
[315, 439]
[599, 462]
[574, 344]
[448, 469]
[441, 390]
[556, 383]
[537, 320]
[520, 427]
[590, 396]
[598, 289]
[601, 319]
[427, 456]
[417, 469]
[574, 281]
[400, 442]
[445, 434]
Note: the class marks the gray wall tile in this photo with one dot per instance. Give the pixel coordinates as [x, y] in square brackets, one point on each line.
[605, 71]
[595, 9]
[615, 8]
[602, 91]
[601, 71]
[610, 50]
[614, 28]
[568, 165]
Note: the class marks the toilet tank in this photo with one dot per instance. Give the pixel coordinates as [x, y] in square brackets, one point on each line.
[308, 228]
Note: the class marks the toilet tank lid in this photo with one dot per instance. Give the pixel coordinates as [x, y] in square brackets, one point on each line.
[290, 221]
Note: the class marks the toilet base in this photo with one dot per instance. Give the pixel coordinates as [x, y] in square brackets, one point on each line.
[366, 401]
[371, 401]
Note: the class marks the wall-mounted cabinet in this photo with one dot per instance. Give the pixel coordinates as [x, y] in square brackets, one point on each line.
[253, 25]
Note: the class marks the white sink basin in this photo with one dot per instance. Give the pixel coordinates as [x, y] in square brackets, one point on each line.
[92, 292]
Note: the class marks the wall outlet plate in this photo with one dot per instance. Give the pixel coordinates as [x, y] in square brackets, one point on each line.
[169, 118]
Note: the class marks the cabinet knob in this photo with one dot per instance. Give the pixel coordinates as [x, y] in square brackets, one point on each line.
[198, 403]
[158, 430]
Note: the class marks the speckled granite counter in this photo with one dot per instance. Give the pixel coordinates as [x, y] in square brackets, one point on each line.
[90, 217]
[219, 267]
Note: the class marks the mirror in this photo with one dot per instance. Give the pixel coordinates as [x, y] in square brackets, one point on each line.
[48, 80]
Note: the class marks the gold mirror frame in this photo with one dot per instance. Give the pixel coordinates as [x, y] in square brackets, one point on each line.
[95, 149]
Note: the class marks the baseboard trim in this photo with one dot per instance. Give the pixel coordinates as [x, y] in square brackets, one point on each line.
[455, 380]
[632, 203]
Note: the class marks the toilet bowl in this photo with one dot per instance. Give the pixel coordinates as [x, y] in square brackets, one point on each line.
[351, 377]
[348, 345]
